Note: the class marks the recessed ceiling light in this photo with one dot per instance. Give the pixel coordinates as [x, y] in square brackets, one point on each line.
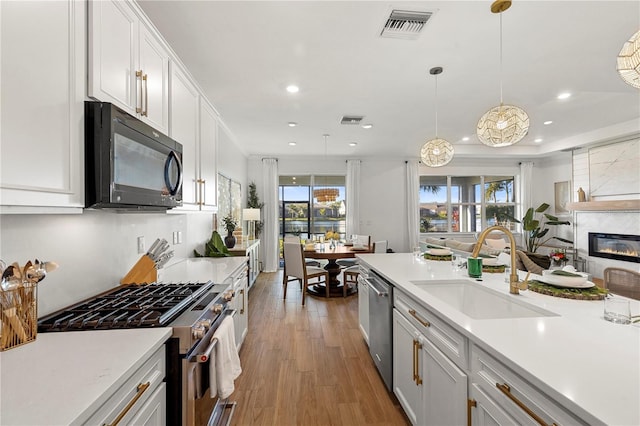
[546, 123]
[292, 124]
[293, 88]
[353, 143]
[538, 140]
[466, 138]
[292, 144]
[367, 126]
[564, 95]
[294, 178]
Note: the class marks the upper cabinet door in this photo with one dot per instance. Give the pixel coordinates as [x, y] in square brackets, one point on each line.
[113, 54]
[154, 64]
[208, 156]
[43, 56]
[128, 64]
[184, 129]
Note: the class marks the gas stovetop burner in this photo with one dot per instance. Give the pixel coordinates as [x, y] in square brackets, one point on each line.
[129, 306]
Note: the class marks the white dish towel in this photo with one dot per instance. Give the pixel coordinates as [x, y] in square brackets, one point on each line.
[224, 362]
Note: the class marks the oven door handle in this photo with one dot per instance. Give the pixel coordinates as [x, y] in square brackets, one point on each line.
[198, 355]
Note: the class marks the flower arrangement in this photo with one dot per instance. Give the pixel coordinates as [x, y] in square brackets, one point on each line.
[558, 257]
[331, 235]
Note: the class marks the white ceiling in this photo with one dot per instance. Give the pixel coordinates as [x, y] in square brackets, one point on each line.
[244, 54]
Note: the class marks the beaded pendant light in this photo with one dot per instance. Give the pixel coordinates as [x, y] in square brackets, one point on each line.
[503, 125]
[629, 61]
[436, 152]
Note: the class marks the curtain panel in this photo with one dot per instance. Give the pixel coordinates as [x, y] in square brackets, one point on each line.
[413, 203]
[269, 240]
[352, 198]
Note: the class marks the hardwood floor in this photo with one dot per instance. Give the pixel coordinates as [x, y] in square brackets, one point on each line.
[307, 365]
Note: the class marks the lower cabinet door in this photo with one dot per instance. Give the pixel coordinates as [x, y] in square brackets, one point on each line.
[405, 386]
[485, 411]
[444, 388]
[363, 308]
[154, 410]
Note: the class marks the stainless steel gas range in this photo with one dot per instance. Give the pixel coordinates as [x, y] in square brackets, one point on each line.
[192, 309]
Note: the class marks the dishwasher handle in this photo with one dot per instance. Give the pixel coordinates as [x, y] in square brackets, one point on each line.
[381, 293]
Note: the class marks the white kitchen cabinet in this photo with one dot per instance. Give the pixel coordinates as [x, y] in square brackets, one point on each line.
[431, 388]
[208, 170]
[363, 302]
[509, 398]
[241, 305]
[484, 411]
[141, 399]
[253, 252]
[194, 125]
[43, 56]
[128, 62]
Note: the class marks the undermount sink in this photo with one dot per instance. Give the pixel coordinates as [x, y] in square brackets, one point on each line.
[478, 302]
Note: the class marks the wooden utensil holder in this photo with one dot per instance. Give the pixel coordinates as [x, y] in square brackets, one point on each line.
[19, 316]
[143, 272]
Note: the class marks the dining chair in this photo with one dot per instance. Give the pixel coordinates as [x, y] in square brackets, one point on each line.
[350, 274]
[296, 268]
[623, 282]
[362, 240]
[308, 262]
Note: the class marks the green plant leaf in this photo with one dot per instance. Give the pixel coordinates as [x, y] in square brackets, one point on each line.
[542, 207]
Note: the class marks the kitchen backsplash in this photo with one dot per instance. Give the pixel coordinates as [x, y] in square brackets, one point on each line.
[95, 249]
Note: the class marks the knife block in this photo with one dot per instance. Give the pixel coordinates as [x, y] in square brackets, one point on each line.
[143, 272]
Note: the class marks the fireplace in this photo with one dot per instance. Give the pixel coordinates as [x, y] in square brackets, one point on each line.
[615, 246]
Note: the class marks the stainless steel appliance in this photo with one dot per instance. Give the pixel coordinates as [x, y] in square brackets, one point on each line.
[380, 325]
[128, 164]
[192, 310]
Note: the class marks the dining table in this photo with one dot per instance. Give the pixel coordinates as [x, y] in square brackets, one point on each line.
[332, 253]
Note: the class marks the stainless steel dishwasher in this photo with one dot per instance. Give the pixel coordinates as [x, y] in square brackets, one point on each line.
[380, 325]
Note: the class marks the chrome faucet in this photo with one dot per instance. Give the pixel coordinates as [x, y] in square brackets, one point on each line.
[514, 284]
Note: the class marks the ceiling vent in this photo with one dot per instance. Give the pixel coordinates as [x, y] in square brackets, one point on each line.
[405, 24]
[351, 119]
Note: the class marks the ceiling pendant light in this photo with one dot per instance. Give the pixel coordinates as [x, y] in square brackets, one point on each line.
[436, 152]
[325, 194]
[629, 61]
[503, 125]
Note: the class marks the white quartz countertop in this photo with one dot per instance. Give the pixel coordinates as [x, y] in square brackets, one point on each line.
[587, 364]
[63, 378]
[216, 269]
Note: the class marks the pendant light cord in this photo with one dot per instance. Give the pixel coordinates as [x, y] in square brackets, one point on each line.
[500, 58]
[436, 106]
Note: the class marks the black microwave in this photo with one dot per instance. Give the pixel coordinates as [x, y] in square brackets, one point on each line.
[128, 164]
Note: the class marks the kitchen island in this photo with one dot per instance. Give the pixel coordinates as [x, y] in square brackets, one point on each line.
[588, 366]
[66, 378]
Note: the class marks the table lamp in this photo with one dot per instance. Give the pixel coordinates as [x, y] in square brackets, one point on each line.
[251, 215]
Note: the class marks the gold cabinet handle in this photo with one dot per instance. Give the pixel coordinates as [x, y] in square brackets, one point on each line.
[470, 404]
[203, 197]
[416, 367]
[145, 110]
[420, 320]
[506, 389]
[199, 183]
[139, 76]
[140, 390]
[242, 309]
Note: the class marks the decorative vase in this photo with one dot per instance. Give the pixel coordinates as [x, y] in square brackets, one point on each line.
[230, 240]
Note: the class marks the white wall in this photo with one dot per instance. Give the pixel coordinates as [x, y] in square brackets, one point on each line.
[94, 250]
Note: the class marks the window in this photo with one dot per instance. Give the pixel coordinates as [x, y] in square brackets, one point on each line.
[465, 203]
[312, 205]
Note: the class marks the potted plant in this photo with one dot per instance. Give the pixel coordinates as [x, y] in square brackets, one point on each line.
[230, 225]
[253, 202]
[534, 227]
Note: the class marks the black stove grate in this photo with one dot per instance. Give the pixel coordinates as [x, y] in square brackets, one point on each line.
[130, 306]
